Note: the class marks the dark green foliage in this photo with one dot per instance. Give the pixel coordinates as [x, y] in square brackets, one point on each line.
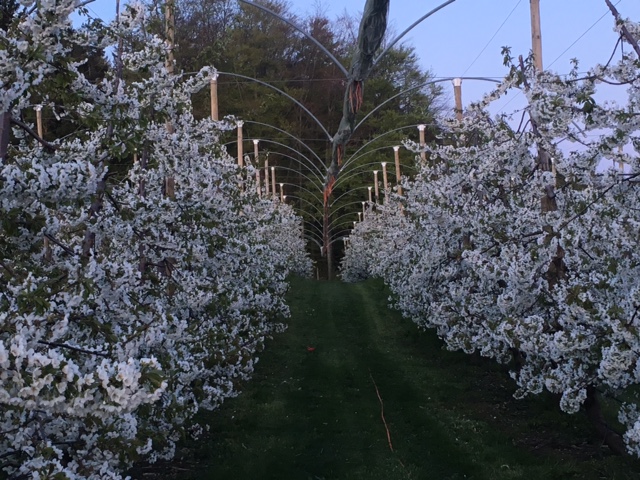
[244, 40]
[8, 9]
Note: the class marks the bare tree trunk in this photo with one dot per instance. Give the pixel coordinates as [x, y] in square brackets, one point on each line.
[594, 412]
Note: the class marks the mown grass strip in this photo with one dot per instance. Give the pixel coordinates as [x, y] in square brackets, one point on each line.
[314, 413]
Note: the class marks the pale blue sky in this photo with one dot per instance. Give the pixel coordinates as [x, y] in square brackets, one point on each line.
[465, 38]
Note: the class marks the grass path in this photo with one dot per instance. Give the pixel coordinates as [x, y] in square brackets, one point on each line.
[316, 415]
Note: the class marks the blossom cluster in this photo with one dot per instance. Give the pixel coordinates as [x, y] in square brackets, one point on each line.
[129, 298]
[529, 264]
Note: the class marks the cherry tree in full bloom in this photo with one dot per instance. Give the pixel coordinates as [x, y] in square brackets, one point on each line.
[521, 243]
[128, 300]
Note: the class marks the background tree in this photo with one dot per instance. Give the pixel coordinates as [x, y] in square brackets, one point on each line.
[245, 40]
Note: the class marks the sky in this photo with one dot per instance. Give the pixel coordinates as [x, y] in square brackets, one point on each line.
[465, 37]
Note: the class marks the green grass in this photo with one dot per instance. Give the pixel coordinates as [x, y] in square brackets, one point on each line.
[316, 415]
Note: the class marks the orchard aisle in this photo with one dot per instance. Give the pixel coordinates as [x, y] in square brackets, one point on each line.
[316, 414]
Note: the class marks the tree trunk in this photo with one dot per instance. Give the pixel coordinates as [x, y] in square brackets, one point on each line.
[593, 409]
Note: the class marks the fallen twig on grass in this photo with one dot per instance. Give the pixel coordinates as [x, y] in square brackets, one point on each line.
[382, 412]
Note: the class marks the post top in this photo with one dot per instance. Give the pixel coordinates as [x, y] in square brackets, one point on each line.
[396, 148]
[384, 164]
[457, 82]
[421, 127]
[256, 141]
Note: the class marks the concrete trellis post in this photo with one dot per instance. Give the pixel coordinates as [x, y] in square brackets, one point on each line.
[239, 123]
[457, 92]
[255, 161]
[423, 154]
[375, 184]
[48, 254]
[536, 35]
[370, 199]
[213, 84]
[281, 192]
[364, 209]
[266, 175]
[359, 216]
[396, 157]
[39, 120]
[385, 180]
[273, 182]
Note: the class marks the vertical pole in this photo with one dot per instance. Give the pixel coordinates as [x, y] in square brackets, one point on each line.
[239, 123]
[170, 34]
[359, 216]
[536, 34]
[281, 192]
[370, 199]
[385, 180]
[255, 161]
[375, 184]
[48, 253]
[170, 187]
[621, 162]
[213, 84]
[423, 154]
[273, 182]
[396, 157]
[457, 92]
[364, 209]
[266, 175]
[39, 121]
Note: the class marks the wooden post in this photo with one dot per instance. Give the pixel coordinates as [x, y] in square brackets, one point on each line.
[273, 182]
[457, 92]
[370, 199]
[536, 34]
[281, 192]
[385, 180]
[239, 123]
[375, 184]
[423, 154]
[396, 157]
[213, 84]
[170, 187]
[364, 209]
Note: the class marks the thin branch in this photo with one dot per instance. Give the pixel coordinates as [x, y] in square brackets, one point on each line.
[75, 349]
[49, 146]
[625, 32]
[61, 245]
[386, 427]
